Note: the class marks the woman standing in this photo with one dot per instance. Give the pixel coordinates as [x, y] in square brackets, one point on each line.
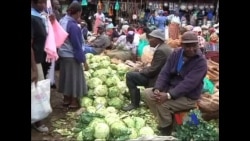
[38, 38]
[72, 81]
[99, 19]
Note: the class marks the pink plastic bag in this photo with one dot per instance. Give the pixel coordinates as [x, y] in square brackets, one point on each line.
[60, 34]
[50, 44]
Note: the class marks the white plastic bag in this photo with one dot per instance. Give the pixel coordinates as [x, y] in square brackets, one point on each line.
[147, 55]
[40, 100]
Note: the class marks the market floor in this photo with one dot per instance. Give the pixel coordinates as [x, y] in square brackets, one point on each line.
[58, 112]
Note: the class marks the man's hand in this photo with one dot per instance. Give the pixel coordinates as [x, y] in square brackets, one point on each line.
[34, 76]
[86, 66]
[162, 97]
[138, 69]
[52, 18]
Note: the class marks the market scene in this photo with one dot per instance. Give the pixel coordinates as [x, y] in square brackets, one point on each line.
[125, 70]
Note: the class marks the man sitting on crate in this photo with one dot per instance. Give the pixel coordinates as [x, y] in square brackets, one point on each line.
[147, 76]
[179, 84]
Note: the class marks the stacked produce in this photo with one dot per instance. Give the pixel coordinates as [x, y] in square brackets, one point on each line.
[209, 101]
[107, 94]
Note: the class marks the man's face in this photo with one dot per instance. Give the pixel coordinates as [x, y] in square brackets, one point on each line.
[190, 49]
[99, 10]
[100, 30]
[56, 4]
[40, 5]
[153, 42]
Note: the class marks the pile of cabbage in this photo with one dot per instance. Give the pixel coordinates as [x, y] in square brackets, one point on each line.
[107, 94]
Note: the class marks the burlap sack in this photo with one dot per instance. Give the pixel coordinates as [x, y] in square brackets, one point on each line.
[120, 54]
[209, 103]
[174, 31]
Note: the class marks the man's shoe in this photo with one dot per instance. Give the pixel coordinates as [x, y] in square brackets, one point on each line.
[129, 107]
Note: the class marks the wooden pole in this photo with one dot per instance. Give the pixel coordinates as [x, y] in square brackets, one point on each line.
[217, 11]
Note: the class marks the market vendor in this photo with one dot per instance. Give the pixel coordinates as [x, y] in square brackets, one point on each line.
[101, 42]
[179, 84]
[213, 44]
[205, 32]
[147, 76]
[125, 49]
[111, 32]
[201, 39]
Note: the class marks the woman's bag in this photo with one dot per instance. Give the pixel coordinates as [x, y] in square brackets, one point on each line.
[40, 100]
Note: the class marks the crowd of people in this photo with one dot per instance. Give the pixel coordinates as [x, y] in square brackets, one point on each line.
[174, 79]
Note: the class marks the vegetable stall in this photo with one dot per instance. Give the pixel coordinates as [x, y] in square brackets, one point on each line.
[102, 118]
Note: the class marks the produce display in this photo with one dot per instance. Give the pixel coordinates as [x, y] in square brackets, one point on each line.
[107, 94]
[101, 117]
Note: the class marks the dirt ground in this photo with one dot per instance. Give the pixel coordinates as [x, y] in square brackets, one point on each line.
[58, 113]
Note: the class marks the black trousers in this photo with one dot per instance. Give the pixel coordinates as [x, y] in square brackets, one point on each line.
[134, 79]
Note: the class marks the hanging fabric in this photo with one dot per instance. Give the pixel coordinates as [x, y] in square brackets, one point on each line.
[117, 6]
[84, 3]
[111, 13]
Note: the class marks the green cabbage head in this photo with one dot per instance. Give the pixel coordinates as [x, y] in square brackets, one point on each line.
[101, 131]
[100, 101]
[116, 102]
[86, 102]
[93, 82]
[101, 90]
[146, 131]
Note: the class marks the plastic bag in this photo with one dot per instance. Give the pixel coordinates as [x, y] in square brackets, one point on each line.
[208, 86]
[147, 55]
[40, 100]
[141, 46]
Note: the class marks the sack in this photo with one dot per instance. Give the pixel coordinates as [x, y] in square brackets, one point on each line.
[147, 55]
[40, 100]
[209, 104]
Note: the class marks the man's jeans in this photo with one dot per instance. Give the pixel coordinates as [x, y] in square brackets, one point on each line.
[89, 49]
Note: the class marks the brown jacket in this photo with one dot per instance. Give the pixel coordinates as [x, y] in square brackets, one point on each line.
[160, 57]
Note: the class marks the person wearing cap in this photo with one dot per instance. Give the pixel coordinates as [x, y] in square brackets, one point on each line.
[101, 42]
[179, 84]
[201, 40]
[124, 48]
[146, 77]
[111, 32]
[124, 29]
